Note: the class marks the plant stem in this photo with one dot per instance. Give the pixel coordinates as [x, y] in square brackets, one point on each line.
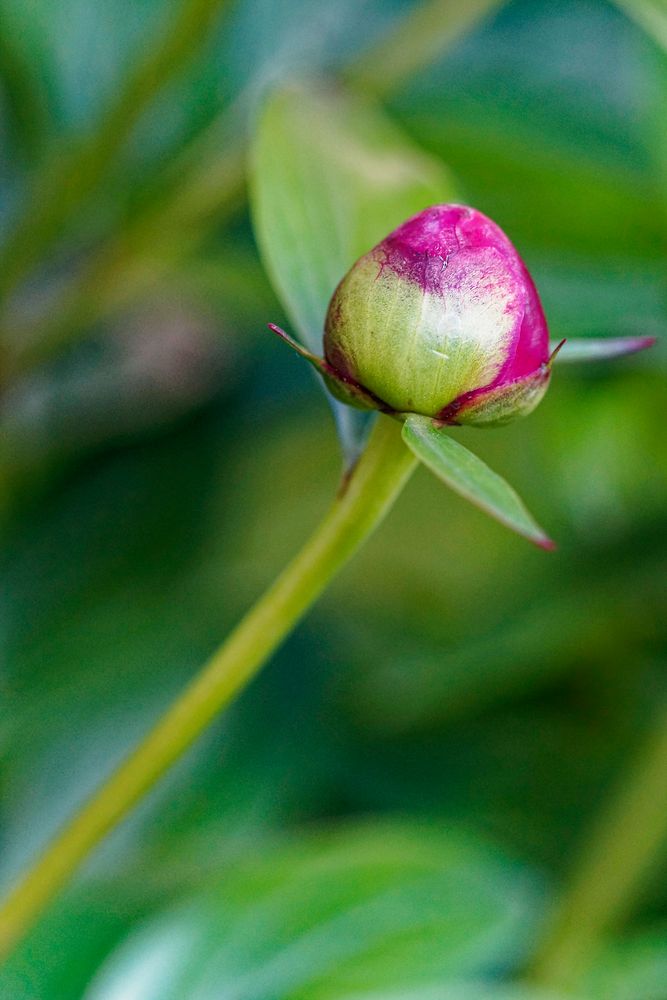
[627, 841]
[376, 481]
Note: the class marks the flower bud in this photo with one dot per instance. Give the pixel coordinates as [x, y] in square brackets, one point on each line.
[441, 318]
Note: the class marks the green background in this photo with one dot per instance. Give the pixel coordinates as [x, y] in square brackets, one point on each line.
[424, 756]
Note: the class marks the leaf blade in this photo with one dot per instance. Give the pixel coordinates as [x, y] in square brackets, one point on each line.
[383, 905]
[471, 478]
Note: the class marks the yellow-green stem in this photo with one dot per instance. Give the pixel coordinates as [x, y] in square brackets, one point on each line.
[375, 483]
[626, 843]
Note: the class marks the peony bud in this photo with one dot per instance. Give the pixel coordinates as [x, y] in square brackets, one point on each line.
[441, 318]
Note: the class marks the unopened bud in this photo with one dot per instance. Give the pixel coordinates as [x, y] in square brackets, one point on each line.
[441, 318]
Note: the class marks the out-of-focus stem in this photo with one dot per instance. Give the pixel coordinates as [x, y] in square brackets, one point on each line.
[626, 843]
[376, 481]
[418, 39]
[71, 173]
[130, 264]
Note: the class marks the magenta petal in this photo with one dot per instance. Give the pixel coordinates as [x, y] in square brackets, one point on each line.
[533, 346]
[453, 233]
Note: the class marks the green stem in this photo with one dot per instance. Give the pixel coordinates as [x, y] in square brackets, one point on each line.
[626, 843]
[376, 481]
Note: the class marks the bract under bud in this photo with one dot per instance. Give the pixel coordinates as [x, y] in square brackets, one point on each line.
[441, 318]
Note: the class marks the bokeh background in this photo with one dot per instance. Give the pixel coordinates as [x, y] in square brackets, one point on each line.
[392, 807]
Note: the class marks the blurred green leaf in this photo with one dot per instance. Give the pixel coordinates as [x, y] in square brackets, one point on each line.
[464, 991]
[68, 955]
[468, 476]
[66, 180]
[24, 78]
[404, 679]
[383, 905]
[631, 968]
[651, 15]
[562, 154]
[331, 176]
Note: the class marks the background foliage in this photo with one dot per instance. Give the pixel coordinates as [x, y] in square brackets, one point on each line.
[391, 809]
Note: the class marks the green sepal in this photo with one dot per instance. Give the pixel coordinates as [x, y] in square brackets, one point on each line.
[471, 478]
[507, 402]
[504, 404]
[345, 391]
[350, 392]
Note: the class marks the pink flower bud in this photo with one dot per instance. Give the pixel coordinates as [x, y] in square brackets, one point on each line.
[441, 318]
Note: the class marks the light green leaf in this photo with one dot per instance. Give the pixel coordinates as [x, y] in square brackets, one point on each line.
[382, 906]
[599, 348]
[468, 475]
[330, 177]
